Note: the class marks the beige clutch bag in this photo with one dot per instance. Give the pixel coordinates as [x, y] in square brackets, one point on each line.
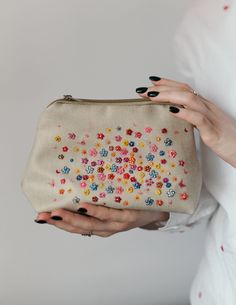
[124, 154]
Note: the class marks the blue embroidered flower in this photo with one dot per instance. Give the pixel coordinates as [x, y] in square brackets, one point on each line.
[131, 143]
[103, 152]
[93, 186]
[168, 184]
[170, 193]
[110, 189]
[168, 142]
[79, 177]
[65, 170]
[137, 185]
[113, 167]
[89, 169]
[150, 157]
[149, 201]
[162, 153]
[153, 173]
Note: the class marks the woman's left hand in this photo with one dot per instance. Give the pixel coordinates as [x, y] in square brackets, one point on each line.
[101, 221]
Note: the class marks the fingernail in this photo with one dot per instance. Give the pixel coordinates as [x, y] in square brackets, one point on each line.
[40, 221]
[141, 89]
[56, 217]
[154, 78]
[82, 211]
[153, 93]
[173, 109]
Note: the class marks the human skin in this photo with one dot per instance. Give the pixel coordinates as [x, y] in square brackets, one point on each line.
[217, 130]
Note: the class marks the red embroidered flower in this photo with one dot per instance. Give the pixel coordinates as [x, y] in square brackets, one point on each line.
[181, 163]
[129, 132]
[100, 136]
[159, 202]
[164, 130]
[126, 176]
[172, 153]
[138, 134]
[117, 199]
[111, 176]
[65, 148]
[163, 161]
[183, 196]
[117, 148]
[95, 198]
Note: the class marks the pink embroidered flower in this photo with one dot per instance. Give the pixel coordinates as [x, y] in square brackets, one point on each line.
[118, 138]
[172, 153]
[153, 148]
[124, 151]
[63, 181]
[119, 190]
[84, 160]
[83, 184]
[93, 152]
[181, 163]
[138, 134]
[101, 177]
[148, 129]
[100, 162]
[120, 170]
[71, 135]
[102, 195]
[133, 166]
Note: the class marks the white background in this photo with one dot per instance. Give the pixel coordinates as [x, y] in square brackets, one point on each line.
[90, 49]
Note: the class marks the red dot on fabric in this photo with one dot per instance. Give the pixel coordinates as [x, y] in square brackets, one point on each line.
[200, 295]
[226, 7]
[222, 248]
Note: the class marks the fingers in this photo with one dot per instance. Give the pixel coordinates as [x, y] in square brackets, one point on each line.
[105, 213]
[201, 121]
[188, 99]
[170, 83]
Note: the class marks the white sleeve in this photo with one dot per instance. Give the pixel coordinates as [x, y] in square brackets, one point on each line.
[179, 222]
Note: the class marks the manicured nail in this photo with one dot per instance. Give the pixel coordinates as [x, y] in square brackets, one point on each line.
[173, 109]
[40, 221]
[153, 93]
[154, 78]
[56, 217]
[82, 211]
[141, 89]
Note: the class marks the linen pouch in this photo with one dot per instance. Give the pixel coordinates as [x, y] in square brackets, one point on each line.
[120, 153]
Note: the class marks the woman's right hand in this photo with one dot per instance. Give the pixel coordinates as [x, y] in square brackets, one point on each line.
[217, 129]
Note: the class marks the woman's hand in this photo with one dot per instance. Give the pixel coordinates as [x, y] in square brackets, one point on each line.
[102, 221]
[216, 128]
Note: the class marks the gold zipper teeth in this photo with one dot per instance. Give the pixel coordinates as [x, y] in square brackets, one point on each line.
[70, 99]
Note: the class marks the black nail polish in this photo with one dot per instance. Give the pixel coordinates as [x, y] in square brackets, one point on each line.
[56, 217]
[141, 89]
[82, 211]
[40, 221]
[173, 109]
[154, 78]
[153, 93]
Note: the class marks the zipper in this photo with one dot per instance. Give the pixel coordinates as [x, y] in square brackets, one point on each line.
[69, 99]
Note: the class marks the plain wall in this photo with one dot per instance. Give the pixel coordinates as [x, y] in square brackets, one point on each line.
[90, 49]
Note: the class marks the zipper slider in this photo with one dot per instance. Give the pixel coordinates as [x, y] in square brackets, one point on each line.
[68, 97]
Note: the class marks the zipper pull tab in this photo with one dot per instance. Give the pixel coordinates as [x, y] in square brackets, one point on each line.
[68, 97]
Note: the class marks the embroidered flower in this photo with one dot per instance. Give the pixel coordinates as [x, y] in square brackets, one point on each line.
[57, 138]
[170, 193]
[103, 152]
[118, 138]
[172, 153]
[100, 136]
[93, 152]
[168, 142]
[148, 129]
[149, 201]
[138, 134]
[65, 170]
[71, 135]
[153, 147]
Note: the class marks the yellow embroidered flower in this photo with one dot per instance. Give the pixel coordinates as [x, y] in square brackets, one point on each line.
[76, 149]
[158, 139]
[125, 165]
[108, 130]
[136, 197]
[162, 170]
[140, 180]
[125, 142]
[107, 166]
[57, 138]
[130, 189]
[141, 144]
[141, 174]
[101, 186]
[86, 192]
[69, 190]
[113, 153]
[173, 165]
[151, 163]
[76, 170]
[157, 165]
[124, 181]
[140, 161]
[158, 192]
[98, 145]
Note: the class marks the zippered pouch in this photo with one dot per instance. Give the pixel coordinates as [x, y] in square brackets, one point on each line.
[119, 153]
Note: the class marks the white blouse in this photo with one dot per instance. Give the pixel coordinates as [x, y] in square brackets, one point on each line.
[205, 47]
